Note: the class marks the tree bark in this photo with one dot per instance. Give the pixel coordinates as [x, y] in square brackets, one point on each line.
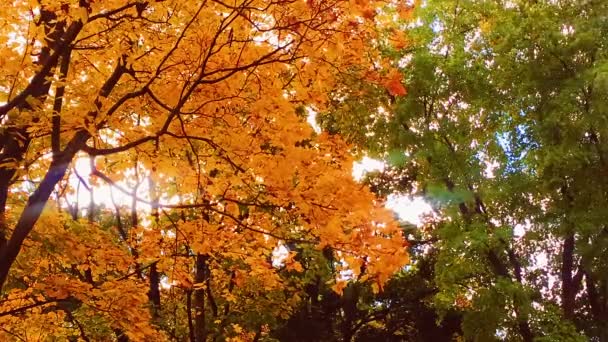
[36, 203]
[59, 165]
[598, 305]
[200, 332]
[189, 313]
[154, 290]
[568, 287]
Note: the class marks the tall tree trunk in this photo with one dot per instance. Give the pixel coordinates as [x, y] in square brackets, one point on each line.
[570, 282]
[568, 287]
[154, 290]
[598, 304]
[12, 152]
[15, 140]
[189, 313]
[14, 144]
[200, 276]
[154, 276]
[36, 203]
[61, 160]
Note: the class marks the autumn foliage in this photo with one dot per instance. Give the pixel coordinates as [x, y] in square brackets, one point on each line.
[194, 114]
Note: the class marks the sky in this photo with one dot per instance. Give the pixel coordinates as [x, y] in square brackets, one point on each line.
[408, 209]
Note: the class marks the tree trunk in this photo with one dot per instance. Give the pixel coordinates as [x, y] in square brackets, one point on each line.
[36, 203]
[154, 290]
[568, 289]
[200, 276]
[189, 313]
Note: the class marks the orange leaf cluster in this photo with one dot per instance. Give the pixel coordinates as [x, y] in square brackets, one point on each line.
[394, 85]
[202, 165]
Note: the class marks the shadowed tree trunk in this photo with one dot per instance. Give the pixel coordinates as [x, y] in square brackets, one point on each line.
[200, 332]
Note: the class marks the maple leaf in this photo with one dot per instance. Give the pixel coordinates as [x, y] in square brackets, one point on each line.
[405, 11]
[398, 39]
[394, 84]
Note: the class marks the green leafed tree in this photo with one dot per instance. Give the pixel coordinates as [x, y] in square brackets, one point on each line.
[503, 130]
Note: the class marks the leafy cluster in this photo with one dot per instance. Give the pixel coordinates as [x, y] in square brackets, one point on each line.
[158, 180]
[503, 132]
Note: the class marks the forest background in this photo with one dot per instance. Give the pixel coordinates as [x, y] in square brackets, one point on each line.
[160, 179]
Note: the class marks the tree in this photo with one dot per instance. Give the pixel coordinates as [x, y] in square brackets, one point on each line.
[402, 311]
[501, 131]
[196, 112]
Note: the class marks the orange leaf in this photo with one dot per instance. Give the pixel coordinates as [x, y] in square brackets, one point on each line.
[398, 39]
[394, 85]
[405, 11]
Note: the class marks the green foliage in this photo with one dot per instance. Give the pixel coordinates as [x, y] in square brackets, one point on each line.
[504, 129]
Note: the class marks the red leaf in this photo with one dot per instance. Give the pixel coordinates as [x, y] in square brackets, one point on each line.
[394, 85]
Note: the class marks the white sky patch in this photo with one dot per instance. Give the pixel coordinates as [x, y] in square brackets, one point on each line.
[490, 167]
[365, 165]
[103, 193]
[312, 120]
[519, 230]
[409, 209]
[279, 255]
[567, 30]
[165, 284]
